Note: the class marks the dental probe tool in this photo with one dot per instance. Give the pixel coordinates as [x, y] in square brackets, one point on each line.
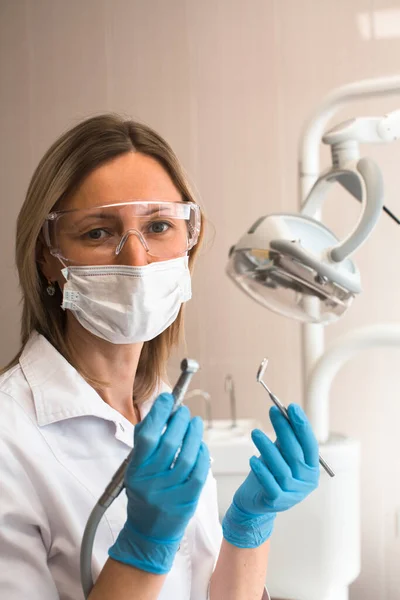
[283, 409]
[188, 367]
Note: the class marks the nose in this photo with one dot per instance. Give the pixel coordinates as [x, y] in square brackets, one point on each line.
[132, 250]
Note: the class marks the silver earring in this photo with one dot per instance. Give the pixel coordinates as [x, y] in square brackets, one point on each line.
[51, 290]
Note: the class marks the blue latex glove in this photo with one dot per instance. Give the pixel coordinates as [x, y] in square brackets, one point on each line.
[161, 500]
[285, 473]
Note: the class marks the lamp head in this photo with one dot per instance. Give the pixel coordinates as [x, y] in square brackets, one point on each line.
[293, 264]
[283, 263]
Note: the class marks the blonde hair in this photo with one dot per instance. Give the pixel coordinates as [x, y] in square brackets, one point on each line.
[65, 165]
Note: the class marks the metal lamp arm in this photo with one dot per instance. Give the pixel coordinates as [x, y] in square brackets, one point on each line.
[363, 180]
[366, 130]
[341, 351]
[312, 337]
[313, 130]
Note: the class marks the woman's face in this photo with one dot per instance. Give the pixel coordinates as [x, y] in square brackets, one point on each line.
[130, 177]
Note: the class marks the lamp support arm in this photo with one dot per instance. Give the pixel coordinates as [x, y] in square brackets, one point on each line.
[312, 336]
[326, 368]
[309, 163]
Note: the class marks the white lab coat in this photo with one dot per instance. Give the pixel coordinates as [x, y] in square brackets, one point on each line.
[59, 446]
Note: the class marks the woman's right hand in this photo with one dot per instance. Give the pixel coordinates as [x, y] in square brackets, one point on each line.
[161, 499]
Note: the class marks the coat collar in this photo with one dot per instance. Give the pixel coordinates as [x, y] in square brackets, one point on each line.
[59, 391]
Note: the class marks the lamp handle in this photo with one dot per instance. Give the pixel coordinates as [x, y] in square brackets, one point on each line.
[364, 181]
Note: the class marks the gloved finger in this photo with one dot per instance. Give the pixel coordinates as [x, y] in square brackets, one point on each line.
[287, 442]
[275, 498]
[273, 459]
[192, 487]
[188, 455]
[172, 439]
[267, 481]
[304, 434]
[148, 433]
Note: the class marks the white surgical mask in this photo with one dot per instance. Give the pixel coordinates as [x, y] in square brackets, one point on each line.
[124, 304]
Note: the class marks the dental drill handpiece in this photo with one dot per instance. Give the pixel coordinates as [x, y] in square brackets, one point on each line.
[283, 409]
[188, 367]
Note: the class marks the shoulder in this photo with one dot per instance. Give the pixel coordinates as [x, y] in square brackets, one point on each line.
[21, 445]
[15, 398]
[20, 436]
[16, 391]
[9, 378]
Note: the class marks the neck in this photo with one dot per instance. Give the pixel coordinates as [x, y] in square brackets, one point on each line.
[115, 364]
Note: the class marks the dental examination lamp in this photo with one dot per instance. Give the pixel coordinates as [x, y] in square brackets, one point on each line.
[293, 264]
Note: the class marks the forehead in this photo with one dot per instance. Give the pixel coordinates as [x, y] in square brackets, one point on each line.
[132, 176]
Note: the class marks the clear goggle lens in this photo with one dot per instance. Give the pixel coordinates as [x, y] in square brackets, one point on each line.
[97, 235]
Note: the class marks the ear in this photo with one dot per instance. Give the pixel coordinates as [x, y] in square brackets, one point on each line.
[48, 264]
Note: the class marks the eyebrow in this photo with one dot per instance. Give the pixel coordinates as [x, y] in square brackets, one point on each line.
[99, 215]
[116, 216]
[160, 210]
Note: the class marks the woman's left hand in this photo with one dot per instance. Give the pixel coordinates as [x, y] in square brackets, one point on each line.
[283, 475]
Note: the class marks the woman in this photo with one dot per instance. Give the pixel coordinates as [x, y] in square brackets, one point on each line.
[105, 240]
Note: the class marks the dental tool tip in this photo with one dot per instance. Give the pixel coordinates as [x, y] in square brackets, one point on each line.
[261, 369]
[190, 365]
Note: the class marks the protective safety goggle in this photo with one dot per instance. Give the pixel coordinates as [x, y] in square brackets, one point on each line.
[97, 235]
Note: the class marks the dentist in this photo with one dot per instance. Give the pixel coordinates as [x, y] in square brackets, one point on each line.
[106, 240]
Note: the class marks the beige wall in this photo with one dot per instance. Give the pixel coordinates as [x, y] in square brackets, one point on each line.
[229, 83]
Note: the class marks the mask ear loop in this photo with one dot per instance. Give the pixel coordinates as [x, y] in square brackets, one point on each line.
[64, 271]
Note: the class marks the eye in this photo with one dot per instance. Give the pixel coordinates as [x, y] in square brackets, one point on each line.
[159, 227]
[96, 234]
